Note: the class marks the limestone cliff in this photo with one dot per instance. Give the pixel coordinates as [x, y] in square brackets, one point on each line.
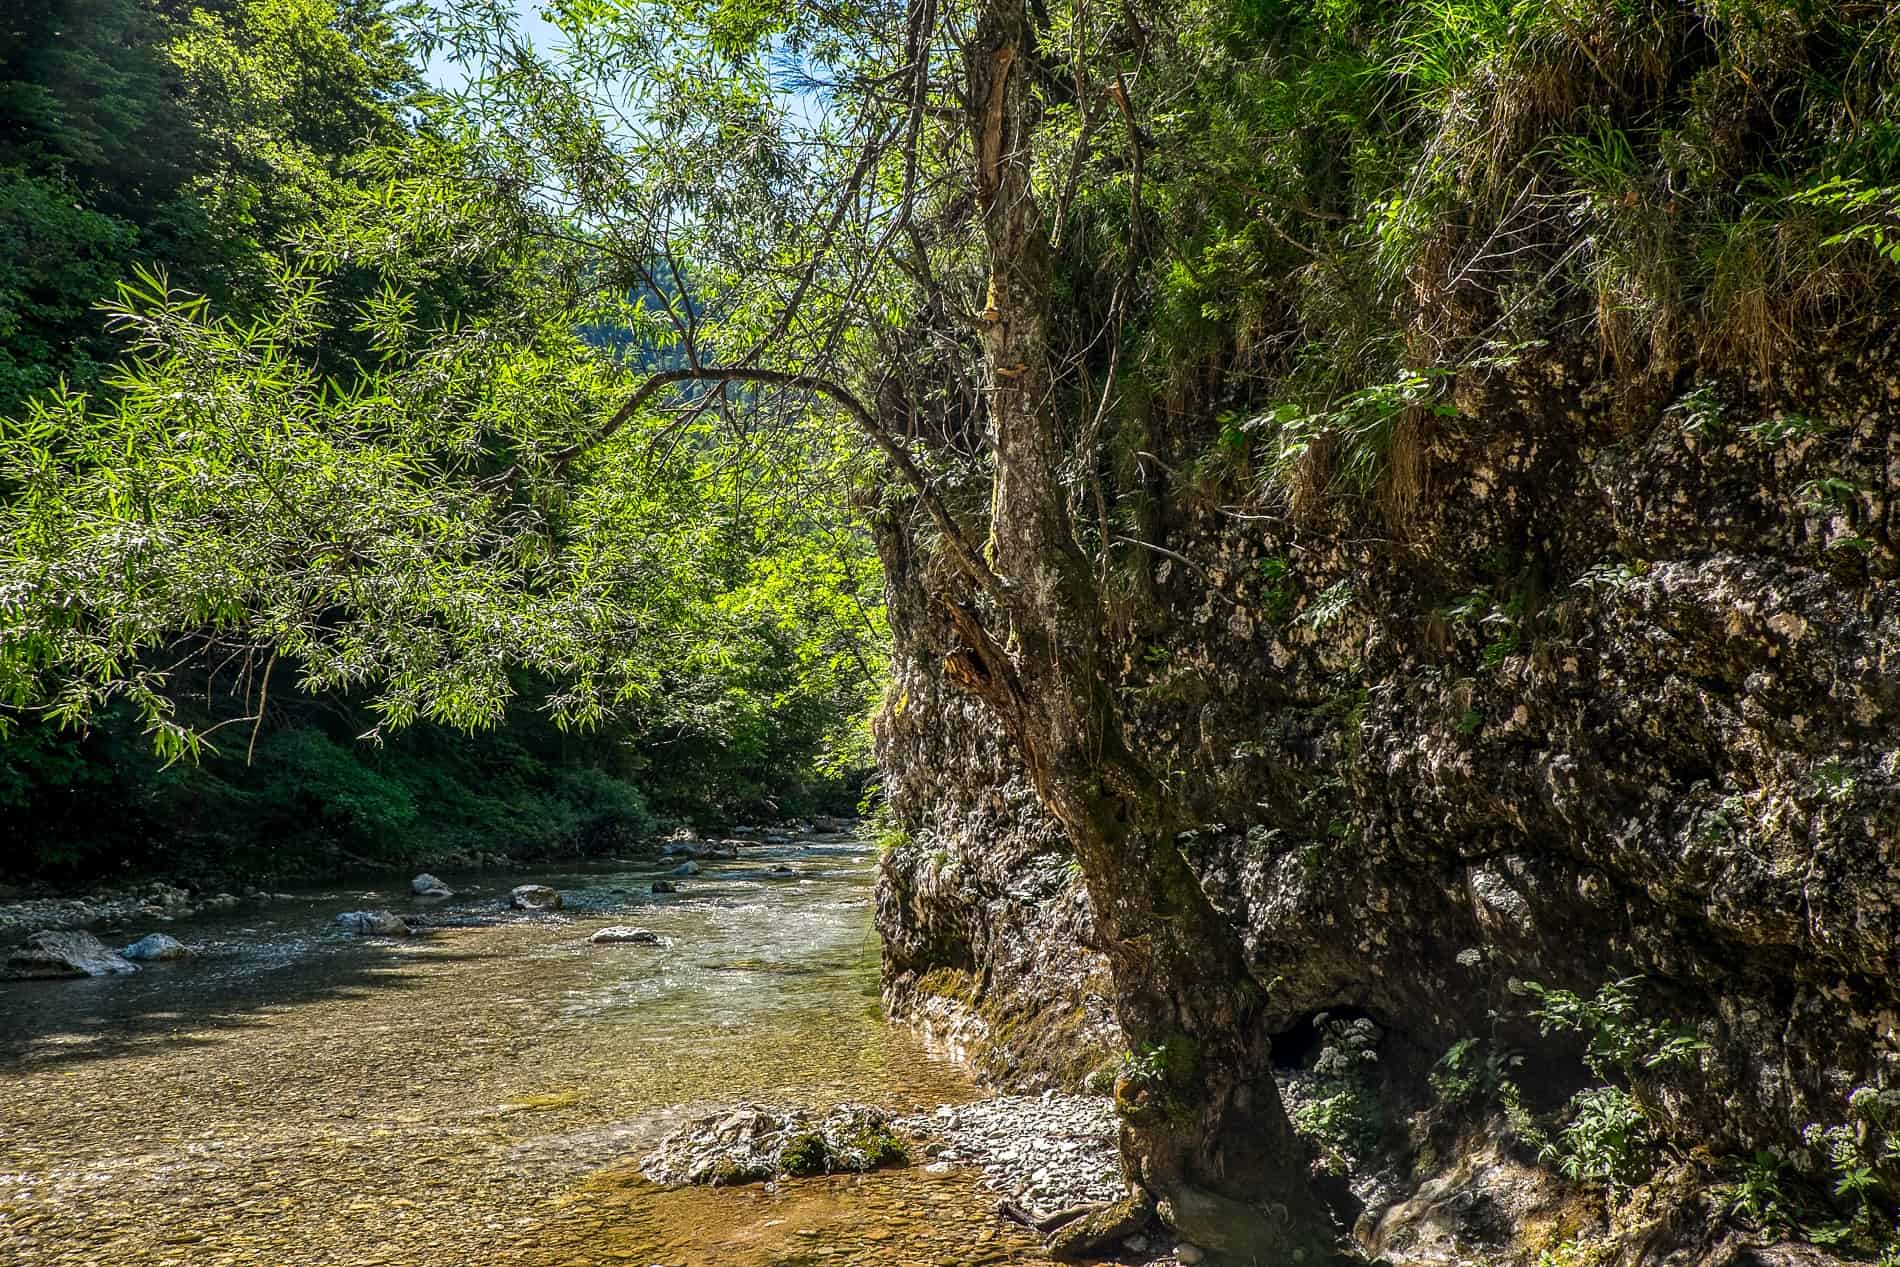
[1607, 687]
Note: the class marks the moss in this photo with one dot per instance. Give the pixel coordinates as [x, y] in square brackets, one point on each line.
[949, 983]
[879, 1148]
[804, 1155]
[1028, 1045]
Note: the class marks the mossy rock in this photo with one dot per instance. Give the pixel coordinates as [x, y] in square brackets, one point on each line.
[805, 1154]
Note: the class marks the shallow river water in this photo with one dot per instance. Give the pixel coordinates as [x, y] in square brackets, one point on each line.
[480, 1095]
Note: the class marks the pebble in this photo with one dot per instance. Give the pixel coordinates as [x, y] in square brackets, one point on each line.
[1014, 1139]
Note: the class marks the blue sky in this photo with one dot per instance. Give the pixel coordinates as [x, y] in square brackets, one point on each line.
[530, 25]
[544, 36]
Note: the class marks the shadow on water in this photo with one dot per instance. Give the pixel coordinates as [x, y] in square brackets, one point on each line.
[250, 964]
[191, 1003]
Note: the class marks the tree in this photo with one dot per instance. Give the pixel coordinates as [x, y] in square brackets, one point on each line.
[866, 242]
[1206, 1137]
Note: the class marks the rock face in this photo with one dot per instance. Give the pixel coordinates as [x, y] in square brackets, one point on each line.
[66, 953]
[372, 924]
[749, 1143]
[1615, 697]
[156, 946]
[620, 935]
[534, 897]
[426, 885]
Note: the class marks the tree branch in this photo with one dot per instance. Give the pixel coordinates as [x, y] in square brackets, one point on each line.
[966, 556]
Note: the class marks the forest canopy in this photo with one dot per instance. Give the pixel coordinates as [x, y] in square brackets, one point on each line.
[296, 353]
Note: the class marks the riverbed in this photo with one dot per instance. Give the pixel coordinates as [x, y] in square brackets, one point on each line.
[480, 1094]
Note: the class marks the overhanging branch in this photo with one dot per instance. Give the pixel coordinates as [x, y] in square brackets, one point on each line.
[966, 556]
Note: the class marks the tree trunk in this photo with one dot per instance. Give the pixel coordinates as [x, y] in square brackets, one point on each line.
[1204, 1132]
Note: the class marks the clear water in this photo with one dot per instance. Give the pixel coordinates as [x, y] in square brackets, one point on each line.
[480, 1095]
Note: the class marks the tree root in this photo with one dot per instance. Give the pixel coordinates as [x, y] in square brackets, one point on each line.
[1100, 1230]
[1235, 1231]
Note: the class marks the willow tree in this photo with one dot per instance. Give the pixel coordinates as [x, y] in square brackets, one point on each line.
[1207, 1138]
[841, 216]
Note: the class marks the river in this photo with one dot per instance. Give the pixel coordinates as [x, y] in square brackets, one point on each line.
[480, 1095]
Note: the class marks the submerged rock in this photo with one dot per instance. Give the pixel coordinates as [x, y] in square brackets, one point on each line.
[620, 935]
[750, 1143]
[156, 946]
[426, 885]
[66, 953]
[665, 886]
[372, 924]
[535, 897]
[686, 868]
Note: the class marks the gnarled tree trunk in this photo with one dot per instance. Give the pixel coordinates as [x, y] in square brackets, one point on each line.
[1204, 1131]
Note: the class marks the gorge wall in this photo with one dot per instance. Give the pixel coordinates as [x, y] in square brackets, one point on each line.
[1605, 683]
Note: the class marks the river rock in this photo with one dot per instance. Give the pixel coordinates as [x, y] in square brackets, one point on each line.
[372, 924]
[1013, 1138]
[169, 895]
[781, 872]
[156, 946]
[621, 935]
[665, 886]
[686, 868]
[426, 885]
[66, 953]
[535, 897]
[750, 1142]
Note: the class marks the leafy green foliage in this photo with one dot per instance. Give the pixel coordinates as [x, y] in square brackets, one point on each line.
[1619, 1036]
[362, 475]
[1472, 1072]
[1606, 1140]
[1608, 1137]
[1760, 1192]
[1339, 1111]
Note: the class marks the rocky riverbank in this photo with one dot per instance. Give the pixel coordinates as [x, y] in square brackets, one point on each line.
[25, 909]
[1051, 1160]
[158, 901]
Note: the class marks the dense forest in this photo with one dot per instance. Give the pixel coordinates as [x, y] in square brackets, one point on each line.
[150, 150]
[1366, 527]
